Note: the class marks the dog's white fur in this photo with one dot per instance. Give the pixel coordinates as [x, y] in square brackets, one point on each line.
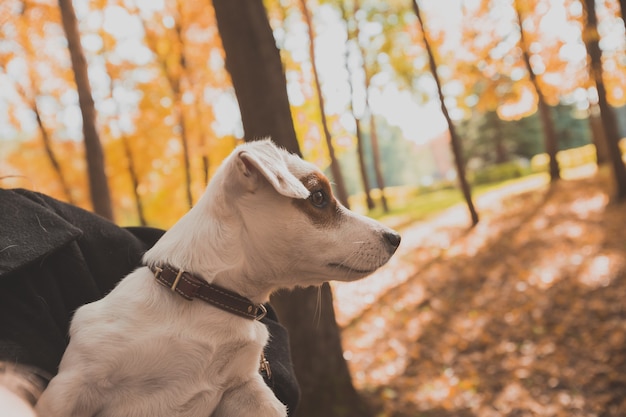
[145, 351]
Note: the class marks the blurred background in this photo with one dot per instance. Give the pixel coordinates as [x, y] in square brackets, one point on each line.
[488, 131]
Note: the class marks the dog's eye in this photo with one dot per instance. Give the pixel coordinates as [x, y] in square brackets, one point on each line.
[318, 199]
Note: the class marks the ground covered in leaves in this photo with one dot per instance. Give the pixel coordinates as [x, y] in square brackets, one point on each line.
[523, 315]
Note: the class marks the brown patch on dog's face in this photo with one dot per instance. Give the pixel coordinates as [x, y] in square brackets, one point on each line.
[321, 206]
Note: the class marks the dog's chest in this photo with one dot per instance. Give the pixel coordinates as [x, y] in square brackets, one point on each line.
[174, 361]
[165, 337]
[202, 340]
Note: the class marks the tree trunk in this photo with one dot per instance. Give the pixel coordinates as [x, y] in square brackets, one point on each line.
[47, 143]
[56, 166]
[501, 152]
[98, 184]
[597, 134]
[184, 140]
[340, 187]
[130, 161]
[360, 146]
[32, 102]
[253, 61]
[551, 141]
[202, 139]
[380, 181]
[609, 122]
[175, 82]
[357, 121]
[134, 179]
[455, 141]
[260, 85]
[325, 388]
[205, 169]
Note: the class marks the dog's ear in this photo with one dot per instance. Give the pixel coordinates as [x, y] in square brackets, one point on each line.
[266, 160]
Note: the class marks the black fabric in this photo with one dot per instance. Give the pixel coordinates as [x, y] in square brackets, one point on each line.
[55, 257]
[29, 230]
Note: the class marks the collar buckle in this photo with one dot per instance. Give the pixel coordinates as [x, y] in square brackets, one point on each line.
[262, 313]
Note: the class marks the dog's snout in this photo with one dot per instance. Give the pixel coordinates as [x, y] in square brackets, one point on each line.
[392, 240]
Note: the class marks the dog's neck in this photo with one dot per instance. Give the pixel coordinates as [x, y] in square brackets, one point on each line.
[211, 250]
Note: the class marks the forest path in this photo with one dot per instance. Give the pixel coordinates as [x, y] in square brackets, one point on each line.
[525, 314]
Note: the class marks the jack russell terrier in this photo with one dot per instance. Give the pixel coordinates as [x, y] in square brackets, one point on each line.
[267, 220]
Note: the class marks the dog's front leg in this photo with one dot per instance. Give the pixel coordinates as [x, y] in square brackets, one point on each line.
[252, 398]
[68, 394]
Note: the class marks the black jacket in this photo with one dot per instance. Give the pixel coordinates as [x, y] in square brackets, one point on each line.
[55, 257]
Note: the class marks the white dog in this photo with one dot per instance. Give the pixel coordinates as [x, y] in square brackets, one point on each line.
[267, 220]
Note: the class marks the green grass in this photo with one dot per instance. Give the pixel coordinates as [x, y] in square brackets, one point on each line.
[419, 206]
[407, 205]
[410, 204]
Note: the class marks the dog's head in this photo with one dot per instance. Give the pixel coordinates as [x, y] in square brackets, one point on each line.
[274, 219]
[293, 223]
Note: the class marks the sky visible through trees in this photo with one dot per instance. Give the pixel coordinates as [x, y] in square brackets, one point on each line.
[161, 90]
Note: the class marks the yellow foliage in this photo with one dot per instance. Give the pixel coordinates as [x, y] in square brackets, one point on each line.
[159, 74]
[569, 158]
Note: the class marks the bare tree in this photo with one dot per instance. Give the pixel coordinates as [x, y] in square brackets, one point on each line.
[380, 179]
[609, 122]
[598, 136]
[126, 145]
[353, 35]
[98, 184]
[380, 182]
[47, 142]
[131, 167]
[455, 141]
[54, 161]
[340, 187]
[551, 142]
[175, 84]
[31, 100]
[175, 81]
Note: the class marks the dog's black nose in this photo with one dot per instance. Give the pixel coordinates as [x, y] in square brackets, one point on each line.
[392, 240]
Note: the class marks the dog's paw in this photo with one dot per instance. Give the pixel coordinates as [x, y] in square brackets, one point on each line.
[268, 408]
[273, 409]
[253, 398]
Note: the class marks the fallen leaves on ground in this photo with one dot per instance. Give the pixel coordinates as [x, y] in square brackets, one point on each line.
[523, 315]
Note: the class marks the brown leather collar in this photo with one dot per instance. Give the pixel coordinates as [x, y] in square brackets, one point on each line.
[190, 287]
